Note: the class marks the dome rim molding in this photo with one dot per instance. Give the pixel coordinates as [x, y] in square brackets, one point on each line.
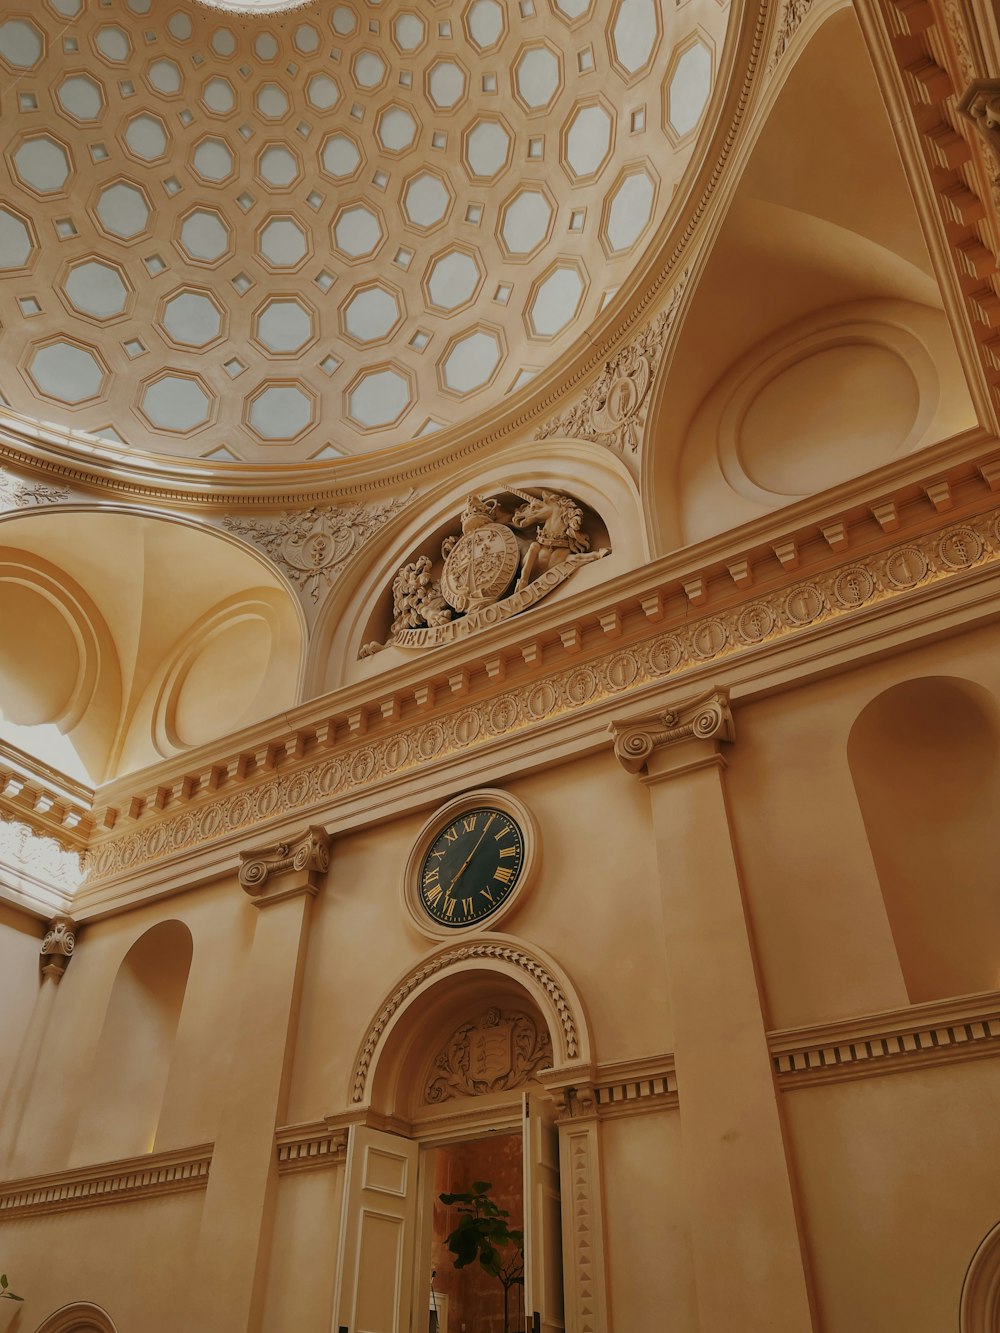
[78, 457]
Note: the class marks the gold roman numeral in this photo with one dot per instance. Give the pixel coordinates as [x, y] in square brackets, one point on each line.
[469, 823]
[504, 874]
[508, 851]
[503, 832]
[486, 894]
[449, 908]
[433, 893]
[451, 835]
[467, 907]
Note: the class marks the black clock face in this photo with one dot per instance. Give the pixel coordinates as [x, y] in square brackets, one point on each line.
[472, 868]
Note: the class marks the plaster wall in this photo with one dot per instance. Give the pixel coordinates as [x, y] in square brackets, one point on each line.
[98, 1255]
[824, 945]
[198, 1067]
[893, 1226]
[20, 981]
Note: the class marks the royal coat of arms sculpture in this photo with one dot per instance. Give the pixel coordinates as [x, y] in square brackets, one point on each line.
[490, 571]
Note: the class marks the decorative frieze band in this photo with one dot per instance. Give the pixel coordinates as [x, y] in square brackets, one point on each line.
[927, 1034]
[110, 1182]
[318, 765]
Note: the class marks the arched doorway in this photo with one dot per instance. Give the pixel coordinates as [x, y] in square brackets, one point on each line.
[459, 1073]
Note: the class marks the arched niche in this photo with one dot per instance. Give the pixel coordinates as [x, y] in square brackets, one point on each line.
[60, 675]
[925, 760]
[80, 1317]
[144, 596]
[593, 475]
[454, 986]
[817, 290]
[128, 1078]
[979, 1306]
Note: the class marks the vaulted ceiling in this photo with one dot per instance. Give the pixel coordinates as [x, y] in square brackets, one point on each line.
[276, 237]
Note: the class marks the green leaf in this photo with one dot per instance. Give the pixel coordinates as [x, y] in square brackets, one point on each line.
[3, 1281]
[481, 1186]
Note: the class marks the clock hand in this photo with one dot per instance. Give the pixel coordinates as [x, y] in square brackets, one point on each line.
[465, 863]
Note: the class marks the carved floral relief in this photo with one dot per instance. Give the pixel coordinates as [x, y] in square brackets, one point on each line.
[312, 546]
[496, 1052]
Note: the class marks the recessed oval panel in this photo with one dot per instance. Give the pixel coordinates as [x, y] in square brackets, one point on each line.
[222, 682]
[832, 415]
[39, 658]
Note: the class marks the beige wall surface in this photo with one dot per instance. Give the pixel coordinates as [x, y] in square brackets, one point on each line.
[651, 1279]
[823, 940]
[20, 937]
[131, 1259]
[899, 1181]
[196, 1080]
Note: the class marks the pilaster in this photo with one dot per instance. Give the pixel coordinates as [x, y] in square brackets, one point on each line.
[55, 954]
[281, 881]
[748, 1255]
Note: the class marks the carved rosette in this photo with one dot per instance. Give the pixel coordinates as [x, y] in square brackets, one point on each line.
[706, 717]
[58, 946]
[497, 1052]
[285, 868]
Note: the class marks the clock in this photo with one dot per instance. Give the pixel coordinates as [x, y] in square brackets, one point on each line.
[472, 860]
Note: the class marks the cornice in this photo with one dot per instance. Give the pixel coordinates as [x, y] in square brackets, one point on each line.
[928, 58]
[102, 467]
[621, 642]
[172, 1172]
[941, 1032]
[49, 802]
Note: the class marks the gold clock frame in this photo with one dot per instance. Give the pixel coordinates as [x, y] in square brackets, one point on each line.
[442, 816]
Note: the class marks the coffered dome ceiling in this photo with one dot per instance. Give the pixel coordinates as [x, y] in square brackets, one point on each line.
[282, 236]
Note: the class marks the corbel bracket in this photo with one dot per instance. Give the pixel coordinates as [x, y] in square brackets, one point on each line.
[57, 947]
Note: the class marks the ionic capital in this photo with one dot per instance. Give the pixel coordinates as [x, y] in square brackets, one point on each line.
[284, 869]
[707, 717]
[57, 947]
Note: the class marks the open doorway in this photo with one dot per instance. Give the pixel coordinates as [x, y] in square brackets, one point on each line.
[470, 1299]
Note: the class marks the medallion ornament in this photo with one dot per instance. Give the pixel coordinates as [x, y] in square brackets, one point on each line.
[612, 409]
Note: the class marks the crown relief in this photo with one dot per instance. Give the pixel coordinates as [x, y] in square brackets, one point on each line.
[488, 571]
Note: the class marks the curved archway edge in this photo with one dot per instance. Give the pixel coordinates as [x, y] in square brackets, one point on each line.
[554, 993]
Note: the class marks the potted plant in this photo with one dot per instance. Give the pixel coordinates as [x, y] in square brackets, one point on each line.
[483, 1233]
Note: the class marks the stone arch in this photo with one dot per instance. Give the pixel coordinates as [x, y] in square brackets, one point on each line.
[498, 958]
[588, 471]
[80, 1317]
[979, 1304]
